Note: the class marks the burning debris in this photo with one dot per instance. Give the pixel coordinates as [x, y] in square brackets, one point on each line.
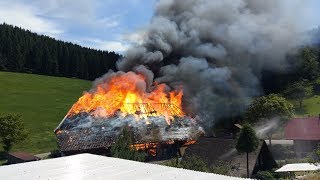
[154, 116]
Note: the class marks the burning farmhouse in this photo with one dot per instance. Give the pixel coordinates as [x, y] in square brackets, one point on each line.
[153, 113]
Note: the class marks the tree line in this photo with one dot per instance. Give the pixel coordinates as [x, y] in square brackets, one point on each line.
[303, 66]
[24, 51]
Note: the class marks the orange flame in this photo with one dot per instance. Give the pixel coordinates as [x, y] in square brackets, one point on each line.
[144, 146]
[152, 152]
[151, 148]
[126, 93]
[189, 142]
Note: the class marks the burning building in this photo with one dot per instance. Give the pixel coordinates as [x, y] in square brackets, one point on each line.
[197, 58]
[153, 114]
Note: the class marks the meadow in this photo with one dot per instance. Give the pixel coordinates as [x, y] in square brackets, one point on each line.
[310, 106]
[42, 101]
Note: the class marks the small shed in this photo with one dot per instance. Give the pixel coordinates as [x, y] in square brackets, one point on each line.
[299, 167]
[290, 169]
[21, 157]
[305, 133]
[215, 150]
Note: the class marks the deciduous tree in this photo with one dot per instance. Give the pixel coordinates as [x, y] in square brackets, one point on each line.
[267, 107]
[299, 91]
[12, 130]
[309, 64]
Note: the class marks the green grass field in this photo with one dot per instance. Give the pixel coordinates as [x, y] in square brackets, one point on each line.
[42, 101]
[311, 106]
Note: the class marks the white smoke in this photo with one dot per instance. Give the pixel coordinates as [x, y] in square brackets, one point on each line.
[151, 129]
[266, 127]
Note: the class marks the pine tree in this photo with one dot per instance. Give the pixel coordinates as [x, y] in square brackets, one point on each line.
[247, 142]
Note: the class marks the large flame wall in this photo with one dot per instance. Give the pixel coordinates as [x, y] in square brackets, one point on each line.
[119, 92]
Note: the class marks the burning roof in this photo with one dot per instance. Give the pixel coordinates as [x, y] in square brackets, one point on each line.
[122, 99]
[128, 94]
[84, 132]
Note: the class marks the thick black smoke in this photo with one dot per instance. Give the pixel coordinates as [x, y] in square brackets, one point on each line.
[216, 49]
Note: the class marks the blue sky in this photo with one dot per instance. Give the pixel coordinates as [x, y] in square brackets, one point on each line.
[102, 24]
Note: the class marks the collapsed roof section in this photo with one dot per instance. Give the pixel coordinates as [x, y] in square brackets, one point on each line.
[88, 131]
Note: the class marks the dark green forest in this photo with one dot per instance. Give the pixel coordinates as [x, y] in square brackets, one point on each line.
[24, 51]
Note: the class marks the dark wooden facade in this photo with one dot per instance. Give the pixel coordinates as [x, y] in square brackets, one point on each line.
[215, 150]
[304, 148]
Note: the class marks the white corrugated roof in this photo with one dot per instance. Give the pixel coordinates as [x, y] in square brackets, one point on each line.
[94, 167]
[298, 167]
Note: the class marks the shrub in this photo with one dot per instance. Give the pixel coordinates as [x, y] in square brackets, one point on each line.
[221, 168]
[264, 175]
[121, 148]
[12, 130]
[195, 163]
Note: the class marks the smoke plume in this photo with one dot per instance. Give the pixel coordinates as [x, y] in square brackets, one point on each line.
[216, 50]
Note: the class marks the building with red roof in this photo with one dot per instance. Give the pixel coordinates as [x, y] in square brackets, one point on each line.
[305, 133]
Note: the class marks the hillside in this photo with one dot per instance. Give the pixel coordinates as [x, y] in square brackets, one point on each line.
[24, 51]
[43, 101]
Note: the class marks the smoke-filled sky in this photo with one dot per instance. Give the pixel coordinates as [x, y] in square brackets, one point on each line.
[216, 50]
[103, 24]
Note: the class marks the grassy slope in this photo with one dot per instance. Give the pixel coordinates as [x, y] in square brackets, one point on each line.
[43, 101]
[311, 106]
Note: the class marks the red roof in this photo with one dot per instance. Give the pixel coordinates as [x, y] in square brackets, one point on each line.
[303, 129]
